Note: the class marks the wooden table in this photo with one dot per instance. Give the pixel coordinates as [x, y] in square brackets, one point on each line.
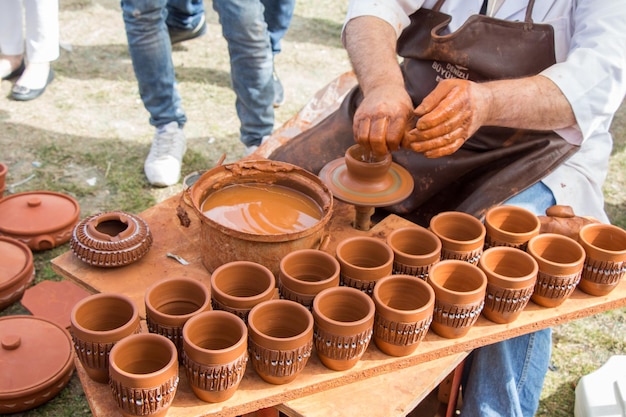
[433, 360]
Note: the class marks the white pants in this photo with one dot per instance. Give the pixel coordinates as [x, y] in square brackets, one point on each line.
[39, 37]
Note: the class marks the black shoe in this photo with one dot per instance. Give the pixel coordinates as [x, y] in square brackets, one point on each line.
[16, 72]
[279, 91]
[180, 35]
[22, 93]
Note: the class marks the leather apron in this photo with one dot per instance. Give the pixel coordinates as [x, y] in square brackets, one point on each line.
[495, 163]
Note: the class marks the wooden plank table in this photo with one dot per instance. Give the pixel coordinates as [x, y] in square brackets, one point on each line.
[370, 372]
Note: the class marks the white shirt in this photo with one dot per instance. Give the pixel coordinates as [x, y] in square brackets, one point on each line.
[590, 45]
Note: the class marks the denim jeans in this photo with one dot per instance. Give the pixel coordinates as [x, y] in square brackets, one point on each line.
[254, 30]
[506, 378]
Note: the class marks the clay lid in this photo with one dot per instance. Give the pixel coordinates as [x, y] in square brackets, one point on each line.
[16, 269]
[41, 219]
[37, 361]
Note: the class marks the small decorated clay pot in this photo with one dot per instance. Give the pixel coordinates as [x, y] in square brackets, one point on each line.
[605, 261]
[144, 375]
[459, 297]
[111, 239]
[306, 272]
[17, 270]
[215, 354]
[171, 302]
[560, 261]
[511, 276]
[363, 260]
[344, 318]
[510, 226]
[238, 286]
[280, 339]
[404, 312]
[98, 322]
[415, 250]
[462, 235]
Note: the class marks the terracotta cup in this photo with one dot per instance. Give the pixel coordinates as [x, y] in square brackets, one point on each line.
[215, 354]
[462, 235]
[144, 375]
[605, 261]
[511, 276]
[238, 286]
[404, 312]
[3, 175]
[415, 250]
[560, 261]
[363, 260]
[97, 323]
[306, 272]
[171, 302]
[510, 226]
[280, 339]
[344, 318]
[460, 289]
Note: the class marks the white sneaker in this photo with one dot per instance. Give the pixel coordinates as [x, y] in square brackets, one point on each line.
[163, 164]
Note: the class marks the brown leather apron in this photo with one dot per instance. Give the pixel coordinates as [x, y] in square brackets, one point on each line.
[495, 163]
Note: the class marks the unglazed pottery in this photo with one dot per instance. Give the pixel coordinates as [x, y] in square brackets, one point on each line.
[404, 312]
[280, 339]
[605, 261]
[41, 219]
[560, 261]
[4, 169]
[17, 270]
[363, 260]
[111, 239]
[344, 318]
[266, 249]
[98, 322]
[415, 250]
[171, 302]
[306, 272]
[144, 374]
[238, 286]
[510, 226]
[36, 362]
[215, 354]
[462, 235]
[511, 276]
[459, 297]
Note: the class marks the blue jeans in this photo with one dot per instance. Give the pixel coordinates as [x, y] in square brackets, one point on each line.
[506, 378]
[254, 30]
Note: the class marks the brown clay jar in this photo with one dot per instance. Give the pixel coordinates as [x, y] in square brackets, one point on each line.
[215, 354]
[510, 226]
[363, 260]
[306, 272]
[415, 250]
[173, 301]
[344, 318]
[462, 235]
[98, 322]
[459, 297]
[404, 312]
[280, 340]
[560, 261]
[238, 286]
[511, 276]
[605, 260]
[144, 375]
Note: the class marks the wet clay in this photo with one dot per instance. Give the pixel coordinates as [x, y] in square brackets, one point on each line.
[263, 209]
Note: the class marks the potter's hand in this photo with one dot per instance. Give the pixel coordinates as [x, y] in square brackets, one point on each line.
[448, 116]
[382, 119]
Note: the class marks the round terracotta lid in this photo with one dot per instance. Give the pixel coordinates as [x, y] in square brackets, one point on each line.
[41, 219]
[37, 362]
[16, 270]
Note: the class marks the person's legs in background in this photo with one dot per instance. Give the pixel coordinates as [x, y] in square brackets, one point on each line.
[185, 20]
[506, 378]
[11, 39]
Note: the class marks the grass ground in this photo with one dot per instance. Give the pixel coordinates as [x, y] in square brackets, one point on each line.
[88, 135]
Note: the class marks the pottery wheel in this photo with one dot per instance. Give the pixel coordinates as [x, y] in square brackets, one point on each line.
[393, 188]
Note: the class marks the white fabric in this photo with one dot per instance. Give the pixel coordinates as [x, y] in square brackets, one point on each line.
[40, 34]
[590, 43]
